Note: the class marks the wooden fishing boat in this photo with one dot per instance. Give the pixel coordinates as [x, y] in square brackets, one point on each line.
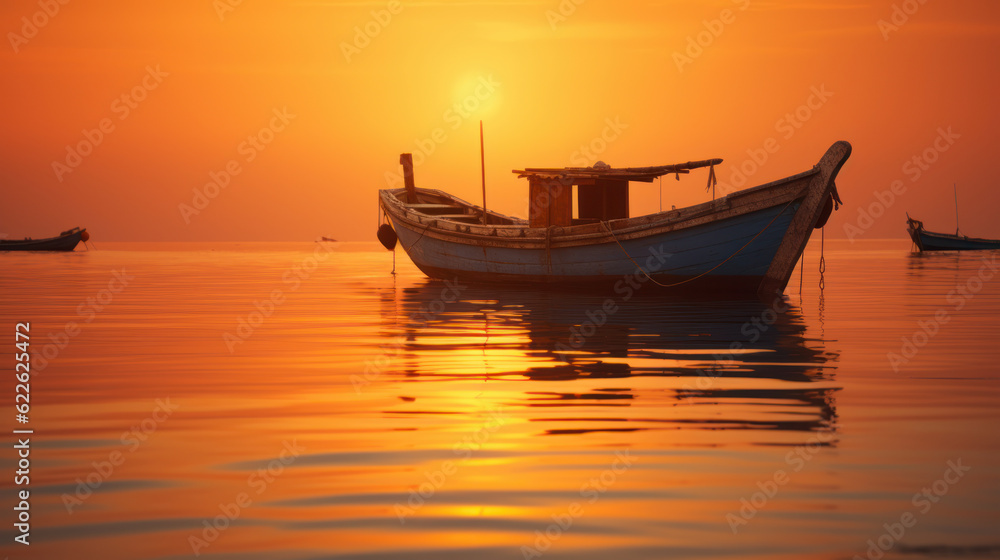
[747, 241]
[933, 241]
[65, 241]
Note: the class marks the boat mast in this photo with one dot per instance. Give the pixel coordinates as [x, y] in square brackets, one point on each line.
[956, 208]
[482, 159]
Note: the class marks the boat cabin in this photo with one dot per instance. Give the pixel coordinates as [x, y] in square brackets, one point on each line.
[602, 192]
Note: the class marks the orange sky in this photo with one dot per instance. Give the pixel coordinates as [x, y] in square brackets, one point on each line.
[201, 76]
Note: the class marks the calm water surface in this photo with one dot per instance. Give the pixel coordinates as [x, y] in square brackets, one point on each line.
[282, 401]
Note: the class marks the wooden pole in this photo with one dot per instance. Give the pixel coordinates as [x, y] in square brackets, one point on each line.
[406, 160]
[956, 208]
[482, 159]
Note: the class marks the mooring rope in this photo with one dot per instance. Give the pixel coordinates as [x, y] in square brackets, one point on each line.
[738, 251]
[802, 269]
[822, 258]
[412, 245]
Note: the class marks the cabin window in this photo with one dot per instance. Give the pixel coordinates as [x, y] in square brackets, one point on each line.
[603, 200]
[556, 203]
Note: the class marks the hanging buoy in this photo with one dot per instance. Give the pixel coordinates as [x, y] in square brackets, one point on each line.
[825, 213]
[84, 236]
[387, 236]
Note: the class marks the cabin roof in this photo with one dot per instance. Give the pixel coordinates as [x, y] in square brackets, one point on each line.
[644, 174]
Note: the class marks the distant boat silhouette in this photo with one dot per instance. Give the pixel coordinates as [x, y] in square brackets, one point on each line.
[748, 241]
[933, 241]
[65, 241]
[330, 239]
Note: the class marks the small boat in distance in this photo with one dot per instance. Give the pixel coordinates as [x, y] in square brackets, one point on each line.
[746, 242]
[933, 241]
[65, 241]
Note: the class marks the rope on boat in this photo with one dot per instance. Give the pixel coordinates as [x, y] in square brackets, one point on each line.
[383, 217]
[712, 181]
[822, 259]
[802, 269]
[414, 244]
[738, 251]
[821, 305]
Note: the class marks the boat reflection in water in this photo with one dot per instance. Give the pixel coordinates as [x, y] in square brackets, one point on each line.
[581, 363]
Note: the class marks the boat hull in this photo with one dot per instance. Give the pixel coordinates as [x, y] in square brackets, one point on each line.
[668, 257]
[747, 242]
[63, 243]
[931, 241]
